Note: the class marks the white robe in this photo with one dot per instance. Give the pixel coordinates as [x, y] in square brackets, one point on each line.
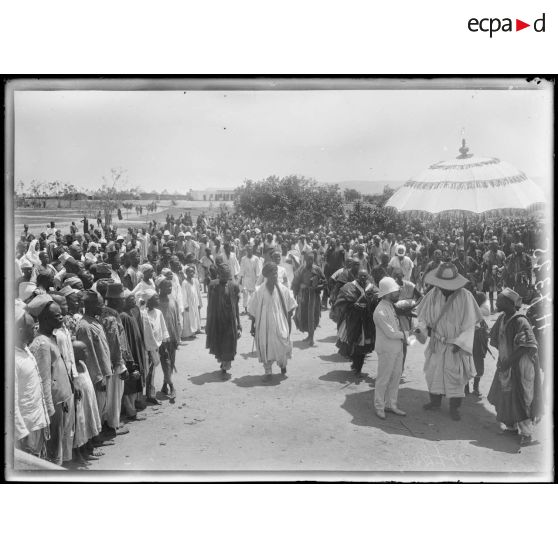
[232, 262]
[282, 277]
[447, 372]
[141, 288]
[273, 340]
[192, 301]
[250, 268]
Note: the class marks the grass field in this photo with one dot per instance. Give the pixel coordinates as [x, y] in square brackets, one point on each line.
[38, 219]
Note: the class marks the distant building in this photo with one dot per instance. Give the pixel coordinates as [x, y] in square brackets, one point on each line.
[214, 195]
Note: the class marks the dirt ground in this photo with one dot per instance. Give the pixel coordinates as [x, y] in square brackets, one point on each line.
[318, 418]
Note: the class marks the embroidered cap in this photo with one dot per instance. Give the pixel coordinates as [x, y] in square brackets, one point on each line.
[513, 296]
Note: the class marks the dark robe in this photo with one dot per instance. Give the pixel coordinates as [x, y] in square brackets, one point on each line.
[167, 351]
[343, 278]
[355, 318]
[507, 391]
[306, 286]
[137, 350]
[222, 319]
[135, 312]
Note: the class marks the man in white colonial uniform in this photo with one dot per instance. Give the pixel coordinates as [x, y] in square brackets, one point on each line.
[250, 269]
[390, 340]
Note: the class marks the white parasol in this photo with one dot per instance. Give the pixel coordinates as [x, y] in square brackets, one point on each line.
[470, 184]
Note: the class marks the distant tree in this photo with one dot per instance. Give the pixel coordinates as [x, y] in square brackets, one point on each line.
[351, 195]
[291, 201]
[37, 188]
[112, 191]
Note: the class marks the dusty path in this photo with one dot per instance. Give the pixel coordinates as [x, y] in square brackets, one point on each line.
[316, 419]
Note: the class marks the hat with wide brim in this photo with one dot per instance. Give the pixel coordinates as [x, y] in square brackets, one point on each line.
[446, 276]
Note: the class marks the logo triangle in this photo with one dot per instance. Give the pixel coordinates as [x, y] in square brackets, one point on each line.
[519, 25]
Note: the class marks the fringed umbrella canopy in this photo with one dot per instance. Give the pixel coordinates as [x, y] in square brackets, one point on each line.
[468, 184]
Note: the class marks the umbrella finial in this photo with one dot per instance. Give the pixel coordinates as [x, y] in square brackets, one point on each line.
[464, 151]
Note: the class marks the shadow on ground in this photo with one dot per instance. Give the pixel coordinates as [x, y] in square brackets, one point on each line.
[253, 381]
[301, 345]
[330, 339]
[335, 357]
[477, 424]
[210, 377]
[246, 356]
[346, 377]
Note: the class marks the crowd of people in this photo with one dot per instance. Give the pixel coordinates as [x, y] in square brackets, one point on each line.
[100, 315]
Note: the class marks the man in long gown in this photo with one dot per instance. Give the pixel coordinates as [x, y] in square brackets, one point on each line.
[191, 296]
[449, 313]
[56, 378]
[90, 331]
[308, 282]
[353, 310]
[119, 354]
[167, 350]
[516, 389]
[146, 283]
[223, 320]
[271, 308]
[342, 276]
[134, 383]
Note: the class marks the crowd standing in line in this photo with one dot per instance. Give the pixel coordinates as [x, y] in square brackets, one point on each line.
[100, 315]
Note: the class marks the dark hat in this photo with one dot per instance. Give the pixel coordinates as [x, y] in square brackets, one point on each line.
[269, 269]
[92, 296]
[38, 304]
[101, 270]
[115, 290]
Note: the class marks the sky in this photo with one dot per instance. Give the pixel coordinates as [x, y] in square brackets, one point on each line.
[178, 140]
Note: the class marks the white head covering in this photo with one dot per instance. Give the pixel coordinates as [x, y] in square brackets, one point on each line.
[32, 253]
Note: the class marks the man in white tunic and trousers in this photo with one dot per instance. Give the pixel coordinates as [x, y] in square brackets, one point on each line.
[250, 269]
[271, 308]
[390, 341]
[448, 312]
[191, 295]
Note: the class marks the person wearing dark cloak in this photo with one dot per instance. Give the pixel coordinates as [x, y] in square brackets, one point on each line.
[223, 327]
[340, 278]
[308, 282]
[133, 385]
[354, 310]
[516, 388]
